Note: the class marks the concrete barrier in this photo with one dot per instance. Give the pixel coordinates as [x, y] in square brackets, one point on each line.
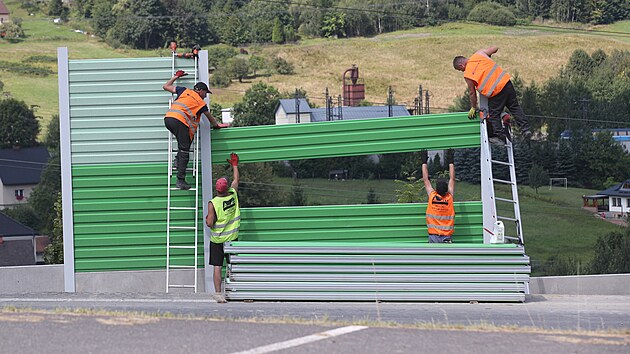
[603, 284]
[49, 278]
[31, 279]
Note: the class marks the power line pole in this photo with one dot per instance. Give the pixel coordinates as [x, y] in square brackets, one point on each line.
[297, 106]
[340, 103]
[426, 100]
[419, 99]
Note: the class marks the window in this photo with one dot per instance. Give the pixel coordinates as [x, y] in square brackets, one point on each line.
[19, 194]
[617, 202]
[628, 200]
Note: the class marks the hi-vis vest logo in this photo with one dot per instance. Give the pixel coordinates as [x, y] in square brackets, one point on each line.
[228, 204]
[438, 200]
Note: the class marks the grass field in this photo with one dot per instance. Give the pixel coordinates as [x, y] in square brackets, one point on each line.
[402, 59]
[554, 223]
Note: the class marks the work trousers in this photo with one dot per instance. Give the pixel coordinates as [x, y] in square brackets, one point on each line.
[496, 104]
[182, 134]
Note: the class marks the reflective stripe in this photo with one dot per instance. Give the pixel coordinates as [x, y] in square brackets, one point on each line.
[440, 217]
[496, 83]
[440, 227]
[225, 233]
[485, 81]
[229, 222]
[188, 116]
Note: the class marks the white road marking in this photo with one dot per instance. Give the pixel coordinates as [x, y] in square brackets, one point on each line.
[302, 340]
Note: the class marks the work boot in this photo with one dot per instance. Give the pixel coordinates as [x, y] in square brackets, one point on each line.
[497, 141]
[181, 184]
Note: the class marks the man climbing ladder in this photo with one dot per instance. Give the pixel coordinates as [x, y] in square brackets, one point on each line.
[182, 120]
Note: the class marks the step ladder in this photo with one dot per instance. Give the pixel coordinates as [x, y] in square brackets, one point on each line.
[177, 205]
[488, 191]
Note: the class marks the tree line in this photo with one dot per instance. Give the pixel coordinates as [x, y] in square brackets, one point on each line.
[151, 23]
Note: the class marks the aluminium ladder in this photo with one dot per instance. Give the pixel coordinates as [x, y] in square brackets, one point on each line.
[174, 206]
[488, 192]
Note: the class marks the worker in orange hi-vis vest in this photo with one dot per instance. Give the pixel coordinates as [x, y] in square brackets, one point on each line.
[182, 119]
[484, 75]
[440, 211]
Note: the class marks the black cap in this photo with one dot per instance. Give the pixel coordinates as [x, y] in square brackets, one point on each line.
[201, 86]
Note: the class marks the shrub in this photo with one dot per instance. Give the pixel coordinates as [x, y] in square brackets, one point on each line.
[220, 78]
[492, 13]
[282, 67]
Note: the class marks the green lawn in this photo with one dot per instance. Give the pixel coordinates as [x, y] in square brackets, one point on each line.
[554, 223]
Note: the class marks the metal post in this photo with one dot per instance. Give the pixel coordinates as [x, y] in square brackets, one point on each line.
[340, 103]
[297, 106]
[328, 113]
[390, 99]
[419, 99]
[426, 99]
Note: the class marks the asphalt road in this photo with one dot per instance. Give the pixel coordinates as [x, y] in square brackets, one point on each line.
[194, 323]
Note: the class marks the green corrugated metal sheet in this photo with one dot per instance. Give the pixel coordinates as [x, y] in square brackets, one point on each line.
[356, 223]
[117, 108]
[346, 138]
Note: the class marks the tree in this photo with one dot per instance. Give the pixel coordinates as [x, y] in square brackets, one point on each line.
[282, 66]
[103, 18]
[334, 24]
[234, 33]
[258, 106]
[537, 177]
[57, 8]
[612, 253]
[188, 24]
[12, 30]
[53, 253]
[139, 23]
[238, 68]
[257, 63]
[18, 125]
[277, 35]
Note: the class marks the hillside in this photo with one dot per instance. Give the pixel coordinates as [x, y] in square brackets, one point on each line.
[403, 59]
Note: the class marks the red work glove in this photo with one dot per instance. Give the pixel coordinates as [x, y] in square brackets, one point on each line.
[233, 160]
[180, 73]
[221, 125]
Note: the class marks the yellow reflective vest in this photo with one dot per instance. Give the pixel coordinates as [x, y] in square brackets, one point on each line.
[228, 218]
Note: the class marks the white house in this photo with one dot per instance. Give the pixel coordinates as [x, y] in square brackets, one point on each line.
[20, 171]
[618, 198]
[287, 112]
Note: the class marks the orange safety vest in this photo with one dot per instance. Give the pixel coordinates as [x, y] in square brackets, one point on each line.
[440, 214]
[186, 110]
[488, 76]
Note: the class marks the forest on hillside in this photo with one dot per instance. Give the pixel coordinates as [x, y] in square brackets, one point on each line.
[146, 24]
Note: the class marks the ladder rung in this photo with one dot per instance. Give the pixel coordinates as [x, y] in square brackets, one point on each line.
[183, 208]
[512, 238]
[505, 200]
[506, 218]
[182, 227]
[501, 162]
[181, 286]
[181, 266]
[184, 247]
[502, 181]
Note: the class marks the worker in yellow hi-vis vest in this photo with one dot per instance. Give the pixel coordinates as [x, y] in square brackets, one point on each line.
[440, 211]
[224, 220]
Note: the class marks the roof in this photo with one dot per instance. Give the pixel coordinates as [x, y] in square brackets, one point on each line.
[363, 112]
[3, 9]
[618, 190]
[22, 166]
[288, 105]
[10, 227]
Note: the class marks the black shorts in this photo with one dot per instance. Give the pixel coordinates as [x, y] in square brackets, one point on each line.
[217, 255]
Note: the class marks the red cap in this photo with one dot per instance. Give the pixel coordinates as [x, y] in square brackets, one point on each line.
[222, 185]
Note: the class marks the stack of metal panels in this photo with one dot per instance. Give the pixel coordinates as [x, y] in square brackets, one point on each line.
[321, 271]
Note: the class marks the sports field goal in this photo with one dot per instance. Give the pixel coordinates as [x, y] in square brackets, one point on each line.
[558, 182]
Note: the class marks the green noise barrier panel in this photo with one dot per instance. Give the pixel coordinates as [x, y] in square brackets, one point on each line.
[346, 138]
[381, 271]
